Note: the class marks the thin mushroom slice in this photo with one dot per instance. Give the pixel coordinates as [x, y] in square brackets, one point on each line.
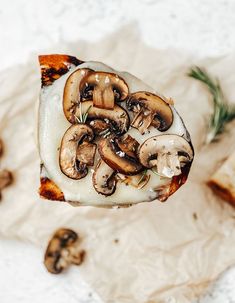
[105, 88]
[167, 153]
[73, 162]
[71, 97]
[63, 249]
[116, 158]
[6, 179]
[86, 153]
[1, 147]
[103, 179]
[117, 120]
[142, 121]
[149, 109]
[128, 145]
[99, 127]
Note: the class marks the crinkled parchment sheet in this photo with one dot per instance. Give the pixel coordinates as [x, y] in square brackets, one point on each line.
[164, 250]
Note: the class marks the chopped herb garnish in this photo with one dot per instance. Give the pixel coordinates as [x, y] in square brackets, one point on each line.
[142, 176]
[83, 117]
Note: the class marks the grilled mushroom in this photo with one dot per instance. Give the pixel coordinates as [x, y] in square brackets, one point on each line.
[116, 120]
[128, 145]
[168, 153]
[119, 160]
[63, 250]
[149, 109]
[71, 98]
[103, 179]
[6, 179]
[105, 88]
[76, 151]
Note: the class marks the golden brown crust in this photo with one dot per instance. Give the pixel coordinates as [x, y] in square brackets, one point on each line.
[221, 191]
[178, 181]
[54, 66]
[49, 190]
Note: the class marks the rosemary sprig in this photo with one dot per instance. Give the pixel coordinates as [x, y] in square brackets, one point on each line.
[223, 111]
[83, 117]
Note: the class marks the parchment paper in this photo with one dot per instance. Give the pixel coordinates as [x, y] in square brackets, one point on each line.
[153, 252]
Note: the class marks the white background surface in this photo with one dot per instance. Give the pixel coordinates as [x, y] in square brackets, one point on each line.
[202, 27]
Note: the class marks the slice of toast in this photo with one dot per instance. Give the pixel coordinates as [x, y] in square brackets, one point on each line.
[222, 181]
[106, 138]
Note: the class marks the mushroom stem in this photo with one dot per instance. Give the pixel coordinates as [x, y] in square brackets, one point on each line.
[168, 165]
[72, 255]
[168, 153]
[86, 153]
[142, 121]
[103, 99]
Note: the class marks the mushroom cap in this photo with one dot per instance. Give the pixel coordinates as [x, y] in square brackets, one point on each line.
[71, 97]
[106, 89]
[103, 179]
[117, 119]
[128, 145]
[99, 126]
[118, 160]
[69, 161]
[150, 110]
[167, 152]
[62, 239]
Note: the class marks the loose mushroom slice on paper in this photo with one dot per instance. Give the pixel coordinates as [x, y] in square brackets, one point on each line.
[105, 88]
[103, 179]
[149, 109]
[167, 153]
[76, 151]
[63, 249]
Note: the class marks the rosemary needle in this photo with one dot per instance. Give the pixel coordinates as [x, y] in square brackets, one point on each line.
[142, 176]
[223, 111]
[83, 117]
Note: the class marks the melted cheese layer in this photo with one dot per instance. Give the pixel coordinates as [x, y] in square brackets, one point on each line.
[53, 125]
